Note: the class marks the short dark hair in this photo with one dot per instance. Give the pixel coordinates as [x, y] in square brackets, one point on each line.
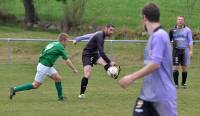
[181, 16]
[152, 12]
[110, 25]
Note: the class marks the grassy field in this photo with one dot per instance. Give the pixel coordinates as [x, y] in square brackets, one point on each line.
[16, 32]
[104, 96]
[124, 14]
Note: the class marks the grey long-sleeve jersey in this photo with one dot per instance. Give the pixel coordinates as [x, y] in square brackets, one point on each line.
[96, 45]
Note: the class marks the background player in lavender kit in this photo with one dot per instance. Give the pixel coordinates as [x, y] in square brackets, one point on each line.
[158, 94]
[181, 36]
[48, 57]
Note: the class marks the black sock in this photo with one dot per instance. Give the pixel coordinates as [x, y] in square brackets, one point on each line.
[106, 66]
[84, 83]
[184, 77]
[175, 75]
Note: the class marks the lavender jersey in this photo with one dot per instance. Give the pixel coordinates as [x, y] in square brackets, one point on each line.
[182, 38]
[158, 85]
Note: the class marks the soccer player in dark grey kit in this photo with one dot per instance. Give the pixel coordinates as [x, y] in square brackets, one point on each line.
[93, 53]
[158, 94]
[181, 36]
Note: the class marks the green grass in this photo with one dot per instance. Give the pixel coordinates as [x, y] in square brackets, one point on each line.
[104, 96]
[103, 93]
[124, 13]
[16, 32]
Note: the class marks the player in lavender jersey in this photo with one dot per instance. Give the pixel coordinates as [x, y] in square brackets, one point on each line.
[158, 94]
[181, 36]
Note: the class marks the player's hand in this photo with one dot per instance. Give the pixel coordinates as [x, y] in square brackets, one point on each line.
[74, 42]
[75, 70]
[190, 53]
[113, 63]
[126, 81]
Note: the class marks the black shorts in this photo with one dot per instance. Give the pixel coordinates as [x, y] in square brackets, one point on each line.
[144, 108]
[179, 57]
[90, 59]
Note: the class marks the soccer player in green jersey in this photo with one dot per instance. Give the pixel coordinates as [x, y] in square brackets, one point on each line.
[45, 67]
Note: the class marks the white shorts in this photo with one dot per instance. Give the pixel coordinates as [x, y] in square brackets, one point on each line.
[42, 71]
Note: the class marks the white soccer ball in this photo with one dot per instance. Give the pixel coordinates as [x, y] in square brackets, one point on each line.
[113, 71]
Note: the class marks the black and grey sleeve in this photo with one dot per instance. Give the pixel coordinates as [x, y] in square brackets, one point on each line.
[101, 50]
[171, 35]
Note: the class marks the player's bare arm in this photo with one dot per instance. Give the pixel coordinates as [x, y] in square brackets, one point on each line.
[190, 50]
[74, 42]
[71, 65]
[130, 78]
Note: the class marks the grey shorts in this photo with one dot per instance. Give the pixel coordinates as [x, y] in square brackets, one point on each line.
[90, 59]
[181, 57]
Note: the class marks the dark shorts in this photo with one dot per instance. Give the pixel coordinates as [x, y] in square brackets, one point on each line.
[90, 59]
[179, 57]
[144, 108]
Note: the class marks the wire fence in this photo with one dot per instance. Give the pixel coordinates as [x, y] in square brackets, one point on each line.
[125, 52]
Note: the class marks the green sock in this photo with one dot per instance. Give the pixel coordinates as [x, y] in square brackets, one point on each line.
[59, 89]
[24, 87]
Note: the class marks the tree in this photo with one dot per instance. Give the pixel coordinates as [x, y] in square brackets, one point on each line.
[31, 17]
[74, 10]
